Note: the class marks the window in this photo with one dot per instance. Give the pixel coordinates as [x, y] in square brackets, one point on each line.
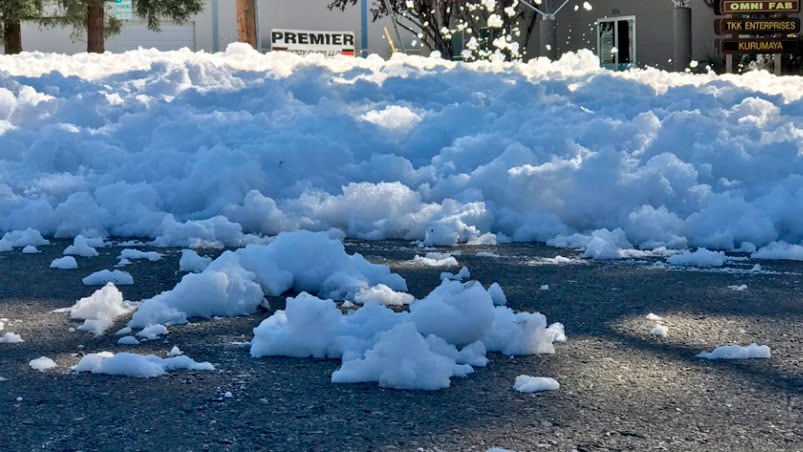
[616, 42]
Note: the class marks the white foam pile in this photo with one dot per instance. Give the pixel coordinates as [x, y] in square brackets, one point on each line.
[197, 149]
[443, 335]
[100, 310]
[135, 365]
[237, 281]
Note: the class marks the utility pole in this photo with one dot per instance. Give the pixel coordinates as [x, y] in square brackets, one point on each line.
[364, 27]
[246, 22]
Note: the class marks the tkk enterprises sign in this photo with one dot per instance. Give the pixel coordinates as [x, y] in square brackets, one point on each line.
[757, 26]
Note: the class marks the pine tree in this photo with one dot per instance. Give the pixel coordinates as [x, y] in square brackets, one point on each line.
[12, 13]
[89, 16]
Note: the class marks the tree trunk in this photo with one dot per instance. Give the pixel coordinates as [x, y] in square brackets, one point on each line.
[94, 28]
[246, 22]
[12, 37]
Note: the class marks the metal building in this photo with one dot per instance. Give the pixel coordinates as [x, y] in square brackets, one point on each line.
[623, 33]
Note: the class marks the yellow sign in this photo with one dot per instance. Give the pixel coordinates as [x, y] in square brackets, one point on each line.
[758, 45]
[747, 7]
[757, 26]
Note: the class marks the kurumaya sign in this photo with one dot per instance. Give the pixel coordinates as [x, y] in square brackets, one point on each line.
[758, 45]
[305, 41]
[748, 7]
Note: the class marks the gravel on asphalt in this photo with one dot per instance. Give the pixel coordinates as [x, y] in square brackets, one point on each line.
[621, 388]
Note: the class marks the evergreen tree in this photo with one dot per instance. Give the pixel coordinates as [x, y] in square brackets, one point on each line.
[12, 13]
[89, 16]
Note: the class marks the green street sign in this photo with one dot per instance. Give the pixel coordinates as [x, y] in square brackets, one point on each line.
[123, 9]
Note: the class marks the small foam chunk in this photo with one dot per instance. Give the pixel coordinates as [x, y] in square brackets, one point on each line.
[137, 366]
[128, 340]
[700, 258]
[152, 332]
[752, 351]
[526, 383]
[660, 331]
[497, 294]
[11, 338]
[64, 263]
[83, 246]
[103, 277]
[191, 261]
[42, 364]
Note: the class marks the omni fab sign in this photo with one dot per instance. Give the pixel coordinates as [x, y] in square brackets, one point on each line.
[747, 7]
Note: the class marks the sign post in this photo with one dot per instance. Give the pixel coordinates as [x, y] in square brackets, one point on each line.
[757, 27]
[123, 9]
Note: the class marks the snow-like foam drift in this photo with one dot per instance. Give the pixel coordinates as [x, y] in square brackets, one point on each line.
[100, 310]
[237, 281]
[196, 149]
[445, 334]
[138, 366]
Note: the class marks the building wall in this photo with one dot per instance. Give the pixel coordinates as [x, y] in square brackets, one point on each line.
[216, 26]
[654, 28]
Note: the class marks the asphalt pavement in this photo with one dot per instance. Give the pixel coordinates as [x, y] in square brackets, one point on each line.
[620, 387]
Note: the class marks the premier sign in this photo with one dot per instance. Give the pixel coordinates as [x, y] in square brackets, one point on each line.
[757, 26]
[305, 41]
[747, 7]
